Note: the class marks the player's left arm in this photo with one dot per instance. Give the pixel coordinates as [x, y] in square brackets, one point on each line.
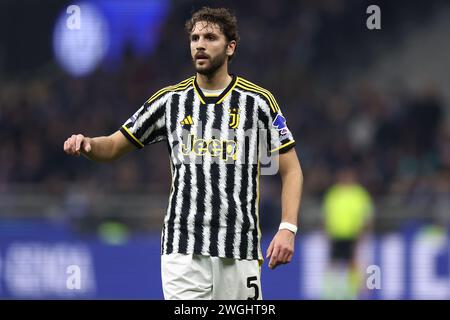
[281, 249]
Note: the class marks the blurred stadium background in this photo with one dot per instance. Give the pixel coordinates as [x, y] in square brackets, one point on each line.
[376, 100]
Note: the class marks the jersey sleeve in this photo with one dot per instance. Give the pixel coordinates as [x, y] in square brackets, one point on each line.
[279, 138]
[147, 125]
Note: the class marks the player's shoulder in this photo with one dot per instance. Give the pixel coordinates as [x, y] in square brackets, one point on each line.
[250, 86]
[182, 84]
[254, 89]
[168, 90]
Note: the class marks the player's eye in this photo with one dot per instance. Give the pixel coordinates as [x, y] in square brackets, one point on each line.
[194, 38]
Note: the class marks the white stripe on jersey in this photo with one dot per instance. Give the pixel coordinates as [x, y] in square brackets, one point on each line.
[159, 124]
[252, 159]
[182, 170]
[238, 176]
[144, 117]
[197, 126]
[224, 126]
[172, 189]
[210, 115]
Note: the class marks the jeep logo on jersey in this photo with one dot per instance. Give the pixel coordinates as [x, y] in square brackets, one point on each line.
[234, 117]
[280, 124]
[215, 147]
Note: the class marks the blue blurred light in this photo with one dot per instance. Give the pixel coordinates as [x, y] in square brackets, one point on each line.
[80, 50]
[108, 27]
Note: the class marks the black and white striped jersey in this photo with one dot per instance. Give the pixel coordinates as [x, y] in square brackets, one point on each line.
[215, 146]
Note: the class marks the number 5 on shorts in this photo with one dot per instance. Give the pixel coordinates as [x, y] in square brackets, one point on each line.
[254, 286]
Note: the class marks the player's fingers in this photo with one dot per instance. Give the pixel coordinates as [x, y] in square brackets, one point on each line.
[274, 258]
[72, 146]
[78, 141]
[72, 143]
[269, 250]
[79, 138]
[282, 256]
[86, 146]
[68, 146]
[285, 252]
[289, 258]
[280, 259]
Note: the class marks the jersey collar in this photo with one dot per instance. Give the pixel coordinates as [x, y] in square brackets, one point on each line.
[215, 100]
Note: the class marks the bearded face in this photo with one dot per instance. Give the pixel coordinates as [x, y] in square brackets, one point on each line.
[208, 48]
[207, 65]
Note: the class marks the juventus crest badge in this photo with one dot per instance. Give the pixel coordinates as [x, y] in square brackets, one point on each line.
[234, 117]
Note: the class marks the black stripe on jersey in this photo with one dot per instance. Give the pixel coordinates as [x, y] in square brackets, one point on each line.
[172, 215]
[200, 214]
[215, 207]
[249, 105]
[201, 183]
[265, 120]
[245, 219]
[263, 117]
[173, 201]
[189, 103]
[232, 211]
[253, 211]
[185, 205]
[231, 216]
[186, 193]
[172, 123]
[215, 197]
[172, 191]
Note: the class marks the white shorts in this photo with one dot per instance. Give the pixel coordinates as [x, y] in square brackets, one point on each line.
[197, 277]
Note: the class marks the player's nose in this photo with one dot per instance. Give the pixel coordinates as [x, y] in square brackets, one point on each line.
[201, 43]
[200, 48]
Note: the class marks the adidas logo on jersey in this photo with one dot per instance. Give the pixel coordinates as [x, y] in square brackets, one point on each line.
[187, 121]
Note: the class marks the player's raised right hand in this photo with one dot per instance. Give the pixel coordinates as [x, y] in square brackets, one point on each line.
[77, 144]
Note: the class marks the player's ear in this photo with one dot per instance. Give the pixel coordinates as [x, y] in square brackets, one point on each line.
[231, 47]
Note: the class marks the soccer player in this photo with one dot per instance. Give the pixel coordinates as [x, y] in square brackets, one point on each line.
[214, 125]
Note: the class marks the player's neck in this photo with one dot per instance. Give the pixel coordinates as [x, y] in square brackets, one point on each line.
[219, 80]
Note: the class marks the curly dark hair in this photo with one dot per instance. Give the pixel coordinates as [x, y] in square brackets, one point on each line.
[223, 17]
